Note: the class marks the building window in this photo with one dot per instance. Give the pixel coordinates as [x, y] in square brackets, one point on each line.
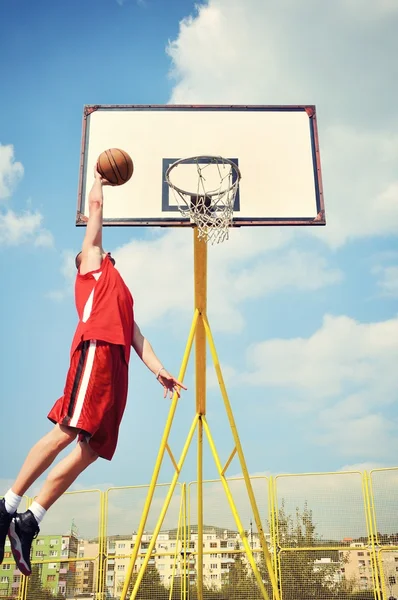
[225, 565]
[213, 566]
[52, 565]
[6, 567]
[40, 543]
[86, 565]
[16, 579]
[50, 577]
[54, 542]
[7, 554]
[360, 553]
[121, 546]
[213, 544]
[53, 553]
[39, 553]
[3, 579]
[120, 567]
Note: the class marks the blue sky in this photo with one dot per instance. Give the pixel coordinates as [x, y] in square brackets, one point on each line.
[305, 322]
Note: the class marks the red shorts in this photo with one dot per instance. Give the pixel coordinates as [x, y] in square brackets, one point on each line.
[95, 395]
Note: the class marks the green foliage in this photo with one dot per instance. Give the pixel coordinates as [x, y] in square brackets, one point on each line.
[150, 587]
[35, 590]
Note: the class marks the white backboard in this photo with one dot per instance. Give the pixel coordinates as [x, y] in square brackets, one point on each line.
[275, 147]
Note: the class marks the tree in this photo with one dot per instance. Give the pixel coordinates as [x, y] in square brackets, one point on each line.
[237, 583]
[302, 577]
[151, 585]
[35, 587]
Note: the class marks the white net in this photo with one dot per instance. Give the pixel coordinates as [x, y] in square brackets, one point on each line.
[210, 205]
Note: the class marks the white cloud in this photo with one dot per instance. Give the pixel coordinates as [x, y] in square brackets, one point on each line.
[259, 52]
[388, 280]
[342, 351]
[245, 268]
[342, 380]
[26, 227]
[10, 171]
[68, 272]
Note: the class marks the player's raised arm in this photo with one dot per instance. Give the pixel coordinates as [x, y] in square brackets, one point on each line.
[92, 252]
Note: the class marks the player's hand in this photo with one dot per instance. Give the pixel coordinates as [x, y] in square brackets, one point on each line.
[170, 384]
[98, 176]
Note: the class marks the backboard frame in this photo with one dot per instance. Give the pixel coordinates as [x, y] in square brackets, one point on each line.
[318, 220]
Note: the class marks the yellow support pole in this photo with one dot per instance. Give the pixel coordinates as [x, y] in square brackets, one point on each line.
[164, 509]
[159, 459]
[235, 514]
[199, 567]
[200, 270]
[242, 460]
[200, 266]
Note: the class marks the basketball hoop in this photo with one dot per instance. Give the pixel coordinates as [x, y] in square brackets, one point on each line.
[211, 205]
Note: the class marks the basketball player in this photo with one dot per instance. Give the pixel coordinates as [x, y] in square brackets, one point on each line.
[95, 393]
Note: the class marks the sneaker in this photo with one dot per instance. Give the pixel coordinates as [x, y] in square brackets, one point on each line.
[5, 520]
[23, 530]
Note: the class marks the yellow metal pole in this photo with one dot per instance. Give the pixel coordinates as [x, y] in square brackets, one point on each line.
[200, 271]
[199, 568]
[242, 460]
[164, 509]
[235, 514]
[159, 459]
[372, 530]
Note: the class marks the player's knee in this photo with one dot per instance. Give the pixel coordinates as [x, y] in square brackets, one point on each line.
[89, 454]
[63, 436]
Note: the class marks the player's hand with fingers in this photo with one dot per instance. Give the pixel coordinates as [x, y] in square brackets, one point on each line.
[97, 175]
[169, 383]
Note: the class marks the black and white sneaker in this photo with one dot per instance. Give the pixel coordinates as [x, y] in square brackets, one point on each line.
[5, 520]
[23, 530]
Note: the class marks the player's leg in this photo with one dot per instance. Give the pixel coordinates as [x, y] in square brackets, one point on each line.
[40, 457]
[25, 527]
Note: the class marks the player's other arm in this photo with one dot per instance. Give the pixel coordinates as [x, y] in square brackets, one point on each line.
[146, 353]
[92, 252]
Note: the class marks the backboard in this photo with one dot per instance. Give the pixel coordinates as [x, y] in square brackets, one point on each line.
[275, 147]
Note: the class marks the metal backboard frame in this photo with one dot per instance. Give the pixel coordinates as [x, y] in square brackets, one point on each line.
[297, 159]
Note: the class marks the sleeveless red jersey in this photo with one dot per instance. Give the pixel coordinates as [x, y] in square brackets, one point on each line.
[105, 308]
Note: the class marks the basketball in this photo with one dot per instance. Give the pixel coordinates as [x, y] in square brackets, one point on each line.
[115, 166]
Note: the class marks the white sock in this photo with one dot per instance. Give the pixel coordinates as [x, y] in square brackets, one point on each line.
[38, 511]
[11, 501]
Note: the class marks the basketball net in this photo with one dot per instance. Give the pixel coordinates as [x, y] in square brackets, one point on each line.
[211, 204]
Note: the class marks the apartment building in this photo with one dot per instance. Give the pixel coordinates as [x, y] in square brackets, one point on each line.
[56, 575]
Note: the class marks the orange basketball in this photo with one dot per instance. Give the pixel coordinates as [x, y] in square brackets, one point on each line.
[115, 166]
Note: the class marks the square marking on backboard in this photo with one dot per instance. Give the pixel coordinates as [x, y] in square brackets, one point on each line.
[169, 203]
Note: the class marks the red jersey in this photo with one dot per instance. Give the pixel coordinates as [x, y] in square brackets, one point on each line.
[105, 308]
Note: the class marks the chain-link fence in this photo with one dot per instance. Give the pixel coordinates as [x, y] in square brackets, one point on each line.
[330, 536]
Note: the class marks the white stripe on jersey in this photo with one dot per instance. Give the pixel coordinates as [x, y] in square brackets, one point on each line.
[88, 367]
[89, 304]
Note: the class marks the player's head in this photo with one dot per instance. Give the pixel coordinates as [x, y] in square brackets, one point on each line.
[78, 259]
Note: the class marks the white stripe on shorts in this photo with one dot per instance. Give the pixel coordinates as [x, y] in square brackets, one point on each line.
[84, 384]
